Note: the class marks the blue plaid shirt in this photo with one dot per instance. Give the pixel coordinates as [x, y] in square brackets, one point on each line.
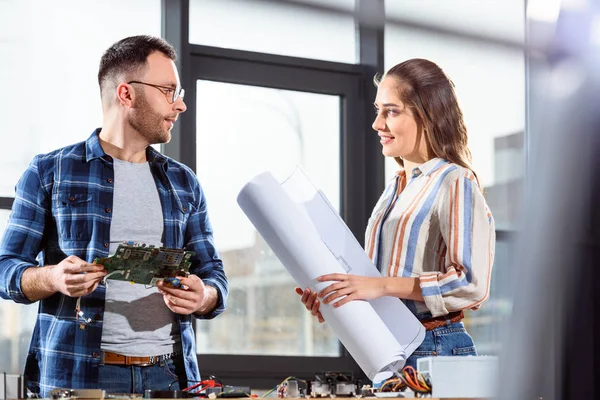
[62, 208]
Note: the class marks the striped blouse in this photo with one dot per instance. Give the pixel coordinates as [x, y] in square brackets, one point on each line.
[435, 226]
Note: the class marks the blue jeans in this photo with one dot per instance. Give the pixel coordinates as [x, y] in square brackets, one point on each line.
[449, 340]
[132, 379]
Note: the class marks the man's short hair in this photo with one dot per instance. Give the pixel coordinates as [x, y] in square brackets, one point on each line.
[128, 56]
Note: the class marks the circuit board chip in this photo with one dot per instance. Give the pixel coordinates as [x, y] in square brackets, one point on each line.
[138, 263]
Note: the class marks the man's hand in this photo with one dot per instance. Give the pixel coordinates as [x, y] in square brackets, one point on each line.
[192, 297]
[74, 277]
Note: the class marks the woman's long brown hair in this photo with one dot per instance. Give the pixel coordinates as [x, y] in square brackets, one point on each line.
[426, 90]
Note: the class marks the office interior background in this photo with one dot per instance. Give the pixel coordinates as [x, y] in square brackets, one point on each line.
[271, 85]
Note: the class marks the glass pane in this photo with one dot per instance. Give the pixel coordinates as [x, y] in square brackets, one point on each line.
[490, 85]
[3, 221]
[51, 67]
[497, 18]
[16, 325]
[243, 131]
[487, 324]
[267, 27]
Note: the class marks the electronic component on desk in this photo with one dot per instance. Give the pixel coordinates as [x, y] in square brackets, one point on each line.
[213, 392]
[213, 388]
[446, 375]
[292, 388]
[229, 391]
[77, 394]
[345, 389]
[12, 386]
[337, 384]
[138, 263]
[319, 389]
[166, 394]
[367, 391]
[405, 383]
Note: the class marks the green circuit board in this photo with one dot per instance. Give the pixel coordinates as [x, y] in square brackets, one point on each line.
[138, 263]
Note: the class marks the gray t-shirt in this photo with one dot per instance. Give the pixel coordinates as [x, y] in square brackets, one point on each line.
[136, 320]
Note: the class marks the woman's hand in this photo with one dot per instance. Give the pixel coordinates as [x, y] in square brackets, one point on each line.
[309, 299]
[354, 287]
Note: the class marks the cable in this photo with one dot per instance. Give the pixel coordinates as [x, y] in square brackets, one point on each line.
[79, 315]
[282, 382]
[207, 383]
[415, 380]
[112, 273]
[391, 380]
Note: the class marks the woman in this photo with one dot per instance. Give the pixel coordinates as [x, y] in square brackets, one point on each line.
[431, 233]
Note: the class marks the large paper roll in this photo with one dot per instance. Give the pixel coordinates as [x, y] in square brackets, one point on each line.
[310, 240]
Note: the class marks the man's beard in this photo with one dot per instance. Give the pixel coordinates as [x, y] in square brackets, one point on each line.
[148, 122]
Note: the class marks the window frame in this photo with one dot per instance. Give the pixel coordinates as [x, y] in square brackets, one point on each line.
[6, 203]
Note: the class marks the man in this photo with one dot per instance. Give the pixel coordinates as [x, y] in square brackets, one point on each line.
[81, 202]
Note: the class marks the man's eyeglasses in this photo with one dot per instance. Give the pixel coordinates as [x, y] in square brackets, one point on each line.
[172, 94]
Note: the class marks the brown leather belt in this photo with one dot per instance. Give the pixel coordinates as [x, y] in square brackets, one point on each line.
[451, 318]
[119, 359]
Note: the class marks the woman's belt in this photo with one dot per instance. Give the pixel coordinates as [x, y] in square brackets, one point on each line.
[443, 320]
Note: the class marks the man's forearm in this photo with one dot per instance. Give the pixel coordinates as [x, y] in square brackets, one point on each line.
[36, 283]
[211, 303]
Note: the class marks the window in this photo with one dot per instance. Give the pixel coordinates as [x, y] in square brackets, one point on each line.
[16, 327]
[50, 52]
[3, 221]
[487, 324]
[273, 130]
[268, 27]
